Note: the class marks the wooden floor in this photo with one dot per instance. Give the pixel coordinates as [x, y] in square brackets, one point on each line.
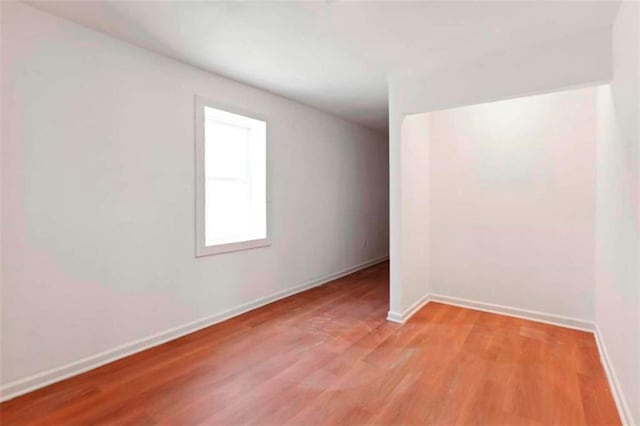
[327, 356]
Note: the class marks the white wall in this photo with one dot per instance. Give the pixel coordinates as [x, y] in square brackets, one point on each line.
[98, 195]
[511, 203]
[415, 215]
[579, 60]
[617, 211]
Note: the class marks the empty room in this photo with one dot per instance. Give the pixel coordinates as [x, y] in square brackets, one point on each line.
[320, 212]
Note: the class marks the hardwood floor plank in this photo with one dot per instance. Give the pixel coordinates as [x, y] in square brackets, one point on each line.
[327, 356]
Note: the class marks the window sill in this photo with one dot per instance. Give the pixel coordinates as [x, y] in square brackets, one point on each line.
[226, 248]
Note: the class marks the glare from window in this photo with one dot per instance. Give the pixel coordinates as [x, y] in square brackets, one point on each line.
[235, 178]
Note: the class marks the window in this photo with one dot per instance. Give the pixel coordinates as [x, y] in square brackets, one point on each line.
[231, 180]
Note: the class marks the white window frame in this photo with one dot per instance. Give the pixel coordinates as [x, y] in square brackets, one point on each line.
[201, 248]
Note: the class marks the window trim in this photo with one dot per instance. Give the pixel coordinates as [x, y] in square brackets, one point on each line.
[201, 248]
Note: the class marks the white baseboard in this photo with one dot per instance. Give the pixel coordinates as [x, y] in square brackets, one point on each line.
[575, 323]
[401, 318]
[614, 385]
[546, 318]
[39, 380]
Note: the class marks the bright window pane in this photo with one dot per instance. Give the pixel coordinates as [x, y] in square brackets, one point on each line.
[228, 206]
[234, 178]
[226, 150]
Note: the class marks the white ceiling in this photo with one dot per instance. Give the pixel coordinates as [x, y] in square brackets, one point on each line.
[335, 56]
